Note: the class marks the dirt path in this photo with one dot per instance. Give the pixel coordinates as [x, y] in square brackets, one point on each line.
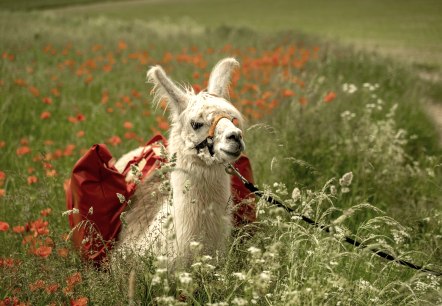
[434, 109]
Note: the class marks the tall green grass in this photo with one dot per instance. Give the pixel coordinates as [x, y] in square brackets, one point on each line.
[379, 133]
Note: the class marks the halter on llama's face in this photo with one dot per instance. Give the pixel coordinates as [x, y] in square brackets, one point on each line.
[204, 125]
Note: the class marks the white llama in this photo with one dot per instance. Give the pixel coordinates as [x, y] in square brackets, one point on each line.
[205, 135]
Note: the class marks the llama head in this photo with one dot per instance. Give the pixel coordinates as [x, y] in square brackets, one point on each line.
[205, 126]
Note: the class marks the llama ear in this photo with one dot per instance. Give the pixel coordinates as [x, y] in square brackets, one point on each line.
[165, 87]
[219, 80]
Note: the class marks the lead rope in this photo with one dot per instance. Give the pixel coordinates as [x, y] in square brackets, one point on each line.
[233, 171]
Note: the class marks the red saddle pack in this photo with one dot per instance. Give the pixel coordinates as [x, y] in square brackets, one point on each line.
[93, 188]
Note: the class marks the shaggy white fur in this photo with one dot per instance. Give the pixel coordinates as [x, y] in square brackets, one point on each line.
[199, 209]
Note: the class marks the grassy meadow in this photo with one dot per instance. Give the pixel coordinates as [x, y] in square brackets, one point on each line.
[316, 110]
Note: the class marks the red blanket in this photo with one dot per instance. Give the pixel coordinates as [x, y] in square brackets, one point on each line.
[93, 189]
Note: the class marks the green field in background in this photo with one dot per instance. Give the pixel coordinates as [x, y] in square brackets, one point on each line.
[410, 30]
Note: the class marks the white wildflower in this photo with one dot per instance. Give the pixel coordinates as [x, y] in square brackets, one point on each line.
[254, 250]
[296, 194]
[156, 280]
[185, 278]
[161, 271]
[265, 276]
[347, 115]
[209, 267]
[195, 246]
[240, 301]
[349, 88]
[69, 212]
[206, 258]
[239, 275]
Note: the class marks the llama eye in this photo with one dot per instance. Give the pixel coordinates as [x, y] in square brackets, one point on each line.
[196, 125]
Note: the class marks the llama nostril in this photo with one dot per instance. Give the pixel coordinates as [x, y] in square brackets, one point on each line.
[234, 136]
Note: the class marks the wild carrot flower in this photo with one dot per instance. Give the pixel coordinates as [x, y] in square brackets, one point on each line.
[239, 275]
[185, 278]
[349, 88]
[296, 194]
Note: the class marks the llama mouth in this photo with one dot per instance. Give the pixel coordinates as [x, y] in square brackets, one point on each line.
[233, 154]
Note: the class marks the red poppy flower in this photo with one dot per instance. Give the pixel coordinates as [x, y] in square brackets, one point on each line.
[46, 212]
[303, 101]
[122, 45]
[55, 92]
[288, 93]
[43, 251]
[23, 150]
[128, 125]
[73, 279]
[3, 226]
[18, 229]
[52, 288]
[34, 91]
[39, 227]
[39, 284]
[81, 117]
[47, 100]
[330, 96]
[114, 140]
[32, 180]
[81, 301]
[63, 252]
[45, 115]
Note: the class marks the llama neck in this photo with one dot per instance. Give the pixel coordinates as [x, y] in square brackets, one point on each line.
[201, 196]
[198, 185]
